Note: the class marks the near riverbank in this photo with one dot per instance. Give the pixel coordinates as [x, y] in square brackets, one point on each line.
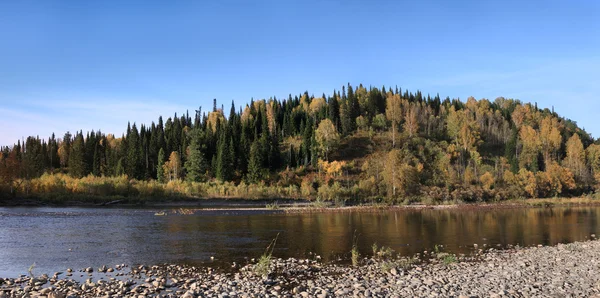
[565, 270]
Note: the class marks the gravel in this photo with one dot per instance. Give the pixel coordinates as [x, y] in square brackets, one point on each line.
[565, 270]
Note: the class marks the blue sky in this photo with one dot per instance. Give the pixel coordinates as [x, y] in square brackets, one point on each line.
[71, 65]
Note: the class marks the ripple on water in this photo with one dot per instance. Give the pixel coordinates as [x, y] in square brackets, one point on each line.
[56, 238]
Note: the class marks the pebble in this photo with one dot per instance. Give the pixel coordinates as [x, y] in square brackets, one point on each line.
[547, 271]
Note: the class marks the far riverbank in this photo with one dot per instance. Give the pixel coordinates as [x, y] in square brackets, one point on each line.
[290, 205]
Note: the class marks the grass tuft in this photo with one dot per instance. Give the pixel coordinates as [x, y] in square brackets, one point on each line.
[273, 206]
[262, 267]
[355, 255]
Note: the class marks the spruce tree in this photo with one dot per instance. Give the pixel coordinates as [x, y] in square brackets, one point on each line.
[224, 167]
[119, 168]
[77, 157]
[96, 163]
[160, 172]
[334, 110]
[243, 153]
[195, 164]
[134, 168]
[255, 169]
[353, 108]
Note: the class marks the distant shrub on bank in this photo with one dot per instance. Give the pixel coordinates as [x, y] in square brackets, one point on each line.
[62, 186]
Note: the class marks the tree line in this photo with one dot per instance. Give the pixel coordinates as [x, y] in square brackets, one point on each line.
[357, 142]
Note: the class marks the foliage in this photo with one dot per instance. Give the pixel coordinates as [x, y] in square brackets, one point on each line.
[393, 112]
[335, 147]
[196, 165]
[327, 137]
[172, 167]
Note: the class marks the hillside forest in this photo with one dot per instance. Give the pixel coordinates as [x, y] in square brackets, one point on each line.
[357, 143]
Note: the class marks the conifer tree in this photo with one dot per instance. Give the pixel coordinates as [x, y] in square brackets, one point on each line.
[77, 157]
[134, 168]
[353, 108]
[224, 167]
[96, 163]
[160, 172]
[195, 164]
[255, 169]
[333, 109]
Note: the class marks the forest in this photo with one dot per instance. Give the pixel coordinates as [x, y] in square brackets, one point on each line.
[359, 144]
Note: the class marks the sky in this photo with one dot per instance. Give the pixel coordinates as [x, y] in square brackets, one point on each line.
[96, 65]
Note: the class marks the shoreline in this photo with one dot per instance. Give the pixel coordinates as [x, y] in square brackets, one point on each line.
[561, 270]
[295, 205]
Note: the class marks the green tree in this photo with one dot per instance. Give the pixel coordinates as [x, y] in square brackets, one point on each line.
[224, 170]
[160, 172]
[33, 158]
[196, 164]
[77, 157]
[134, 166]
[333, 109]
[96, 163]
[255, 169]
[379, 122]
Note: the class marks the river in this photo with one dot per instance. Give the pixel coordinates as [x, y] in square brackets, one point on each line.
[59, 238]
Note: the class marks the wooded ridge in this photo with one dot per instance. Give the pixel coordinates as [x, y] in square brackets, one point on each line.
[358, 143]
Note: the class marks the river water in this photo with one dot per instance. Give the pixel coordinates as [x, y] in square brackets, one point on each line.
[59, 238]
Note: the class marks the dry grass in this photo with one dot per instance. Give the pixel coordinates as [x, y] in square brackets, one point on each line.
[548, 202]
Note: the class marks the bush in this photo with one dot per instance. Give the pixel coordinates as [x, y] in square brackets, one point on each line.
[63, 187]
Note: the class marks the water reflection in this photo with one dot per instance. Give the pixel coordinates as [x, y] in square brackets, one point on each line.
[77, 237]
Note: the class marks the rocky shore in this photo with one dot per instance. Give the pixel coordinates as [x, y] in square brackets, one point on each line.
[565, 270]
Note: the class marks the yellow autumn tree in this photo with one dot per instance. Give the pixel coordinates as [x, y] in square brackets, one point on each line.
[531, 147]
[464, 131]
[575, 159]
[327, 137]
[401, 177]
[393, 112]
[247, 115]
[305, 103]
[411, 123]
[333, 168]
[214, 118]
[63, 154]
[172, 167]
[316, 105]
[487, 180]
[558, 179]
[271, 107]
[593, 161]
[550, 138]
[527, 182]
[525, 114]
